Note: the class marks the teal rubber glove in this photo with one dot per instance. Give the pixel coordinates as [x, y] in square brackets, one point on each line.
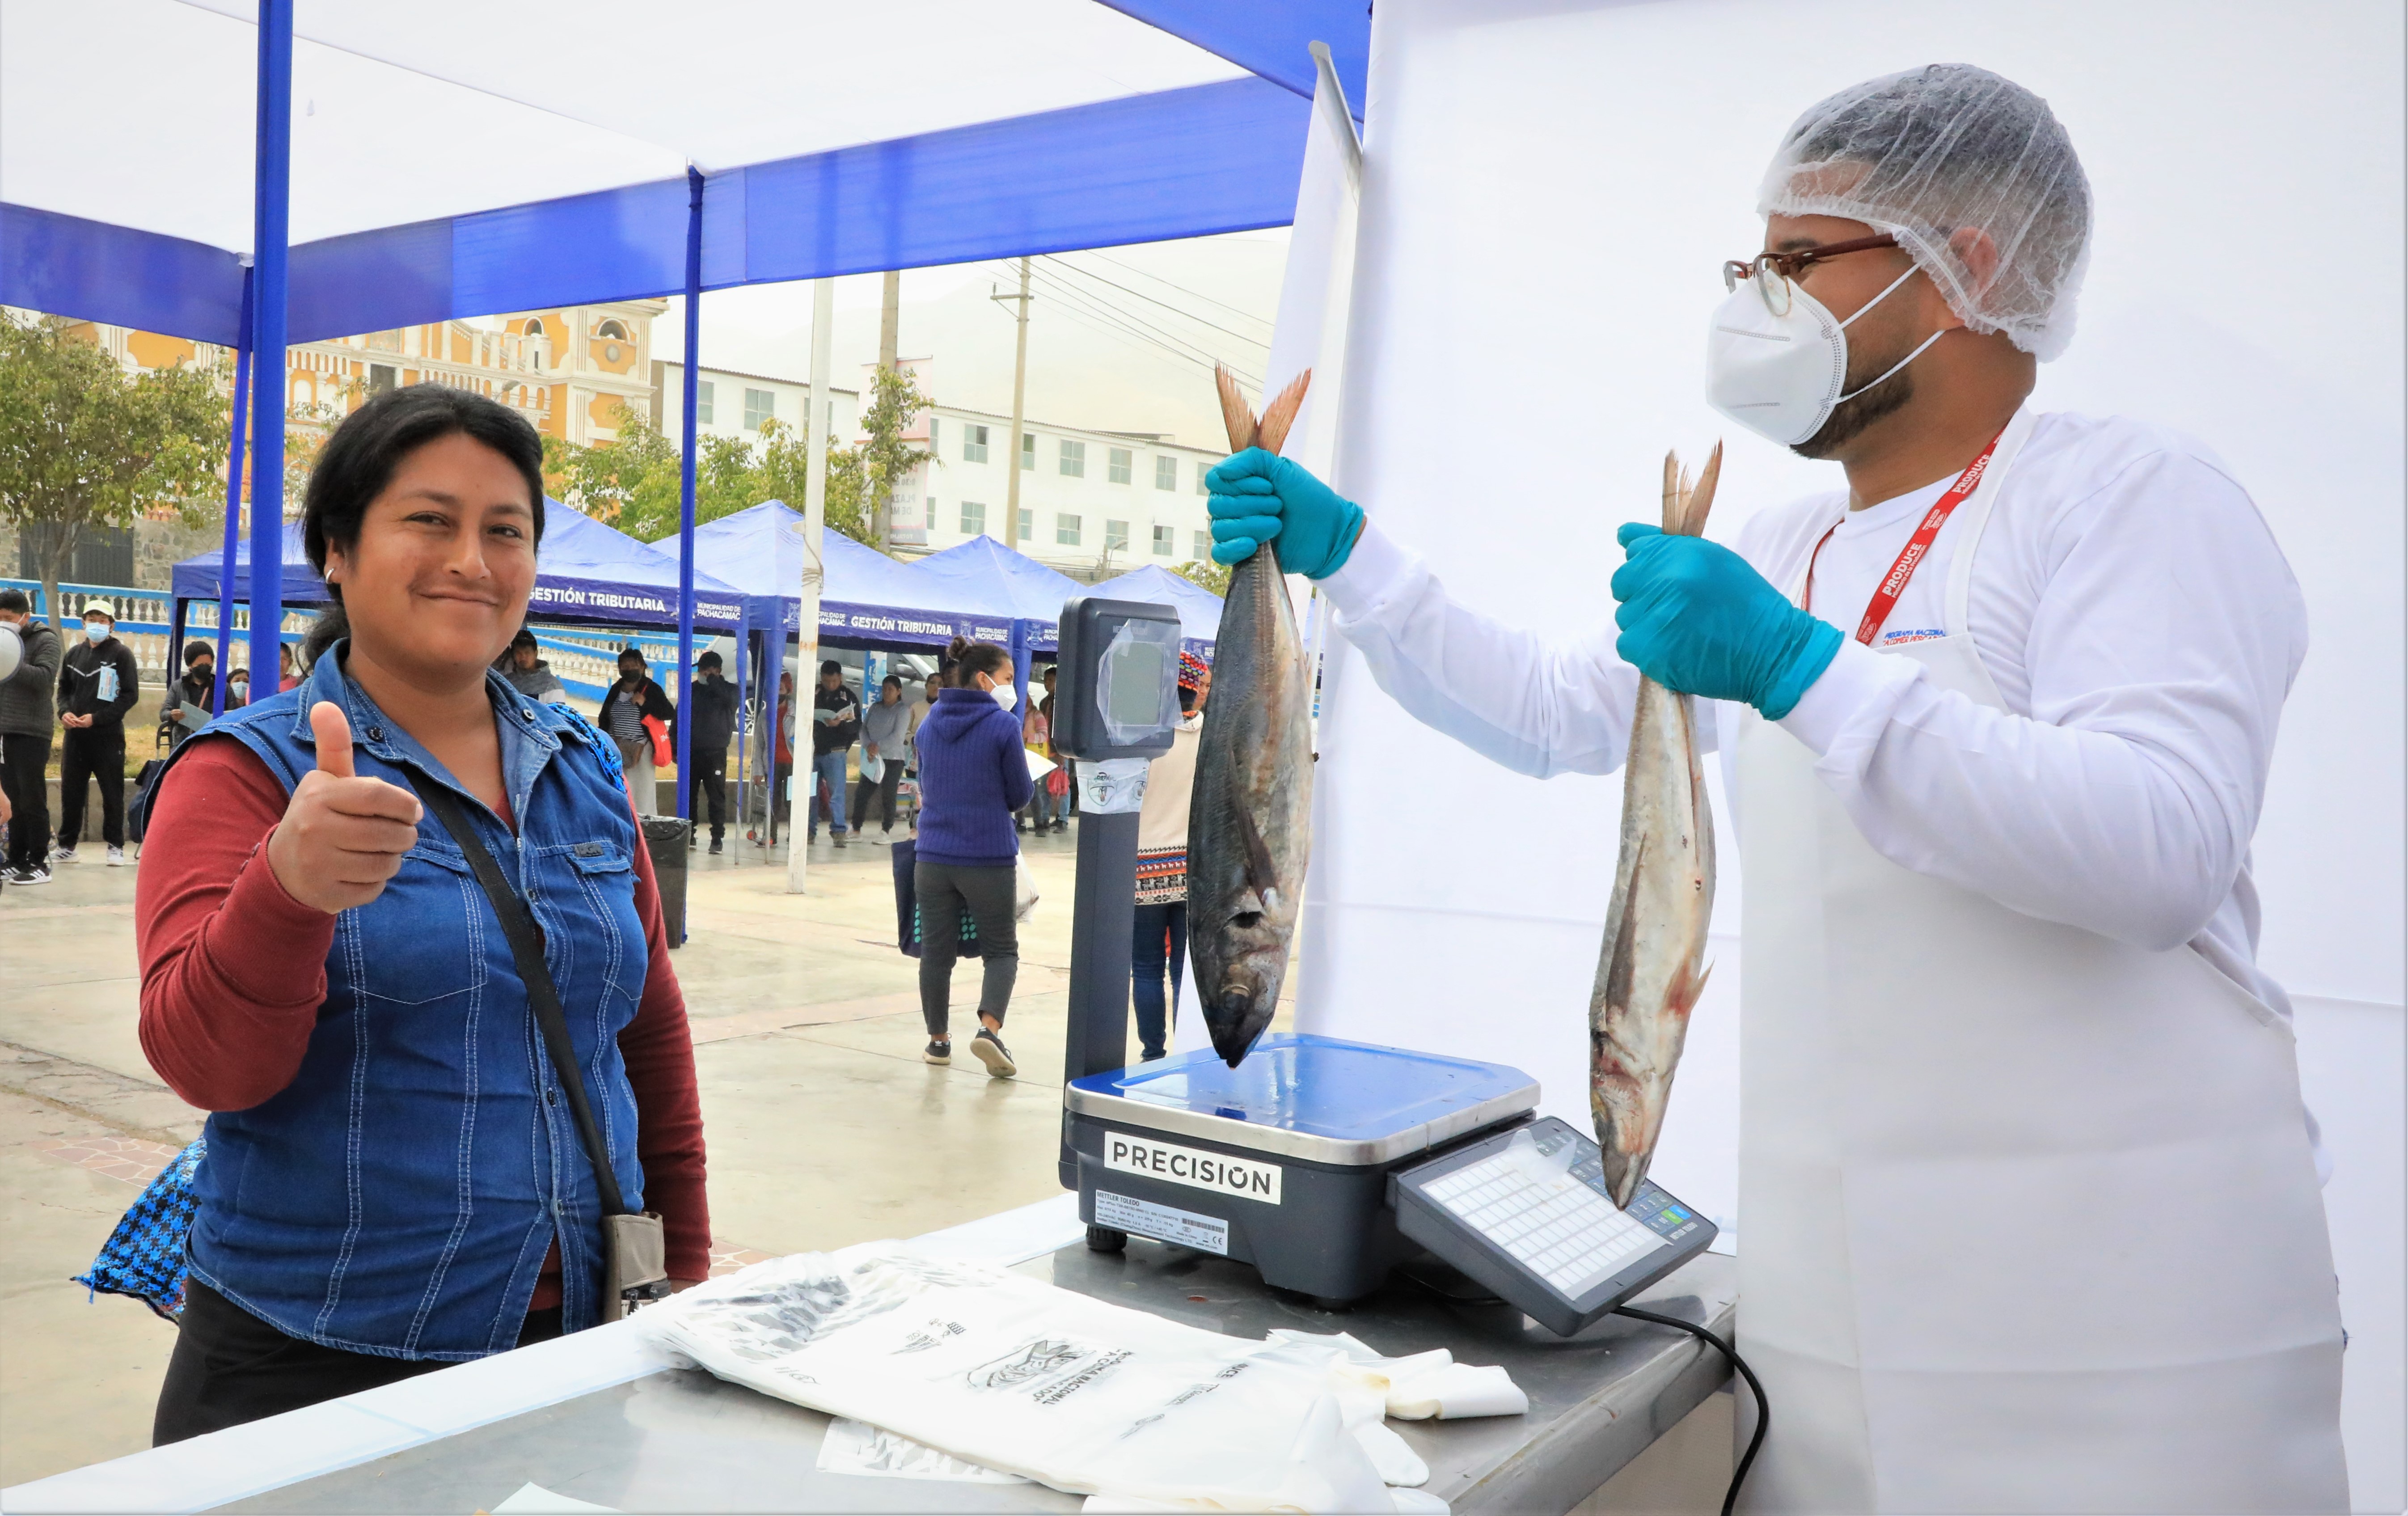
[1258, 497]
[1696, 618]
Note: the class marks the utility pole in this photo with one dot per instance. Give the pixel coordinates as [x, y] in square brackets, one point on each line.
[1019, 400]
[889, 319]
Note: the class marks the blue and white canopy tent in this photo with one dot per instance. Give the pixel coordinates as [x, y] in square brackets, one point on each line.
[452, 158]
[1199, 609]
[1018, 598]
[866, 599]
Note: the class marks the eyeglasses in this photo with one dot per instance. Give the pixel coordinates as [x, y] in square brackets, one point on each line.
[1771, 272]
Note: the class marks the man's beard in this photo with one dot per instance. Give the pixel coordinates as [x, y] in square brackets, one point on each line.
[1851, 416]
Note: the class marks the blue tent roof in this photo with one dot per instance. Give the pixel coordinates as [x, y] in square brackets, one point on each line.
[985, 576]
[1199, 609]
[585, 571]
[866, 598]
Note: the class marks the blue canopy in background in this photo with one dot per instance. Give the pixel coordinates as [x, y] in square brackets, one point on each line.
[586, 571]
[866, 598]
[1199, 609]
[991, 580]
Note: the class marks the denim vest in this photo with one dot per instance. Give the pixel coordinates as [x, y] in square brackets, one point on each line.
[399, 1195]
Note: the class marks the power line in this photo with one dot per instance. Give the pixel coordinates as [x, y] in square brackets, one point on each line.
[1192, 348]
[1127, 335]
[1183, 289]
[1169, 341]
[1073, 298]
[1165, 304]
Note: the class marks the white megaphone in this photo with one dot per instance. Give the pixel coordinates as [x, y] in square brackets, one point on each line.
[13, 651]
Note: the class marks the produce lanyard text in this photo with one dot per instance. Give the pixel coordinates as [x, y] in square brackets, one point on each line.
[1893, 583]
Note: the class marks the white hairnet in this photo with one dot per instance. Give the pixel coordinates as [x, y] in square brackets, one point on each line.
[1932, 151]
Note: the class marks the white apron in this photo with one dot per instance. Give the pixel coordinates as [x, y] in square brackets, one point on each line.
[2031, 1219]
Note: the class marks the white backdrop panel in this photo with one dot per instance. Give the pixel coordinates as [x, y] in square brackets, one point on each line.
[1548, 192]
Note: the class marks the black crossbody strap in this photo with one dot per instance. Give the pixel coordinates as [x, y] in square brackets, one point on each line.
[526, 950]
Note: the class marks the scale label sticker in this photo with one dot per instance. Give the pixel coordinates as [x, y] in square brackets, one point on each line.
[1222, 1175]
[1162, 1224]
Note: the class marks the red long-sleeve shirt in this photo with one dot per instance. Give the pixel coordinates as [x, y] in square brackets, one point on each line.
[234, 970]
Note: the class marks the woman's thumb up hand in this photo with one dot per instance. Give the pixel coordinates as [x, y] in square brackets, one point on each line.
[342, 836]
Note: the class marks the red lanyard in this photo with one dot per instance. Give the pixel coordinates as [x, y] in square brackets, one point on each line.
[1893, 583]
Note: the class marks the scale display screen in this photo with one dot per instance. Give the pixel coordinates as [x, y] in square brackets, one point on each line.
[1527, 1214]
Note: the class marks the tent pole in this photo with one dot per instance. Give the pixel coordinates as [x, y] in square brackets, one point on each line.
[743, 723]
[685, 488]
[774, 654]
[807, 624]
[234, 499]
[271, 232]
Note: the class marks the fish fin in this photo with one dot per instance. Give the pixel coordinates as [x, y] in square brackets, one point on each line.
[1619, 959]
[1259, 872]
[1280, 414]
[1702, 499]
[1237, 415]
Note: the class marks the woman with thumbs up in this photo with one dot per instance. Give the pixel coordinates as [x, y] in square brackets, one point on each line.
[400, 1173]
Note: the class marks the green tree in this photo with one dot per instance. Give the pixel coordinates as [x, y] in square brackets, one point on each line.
[1212, 576]
[886, 456]
[634, 482]
[84, 444]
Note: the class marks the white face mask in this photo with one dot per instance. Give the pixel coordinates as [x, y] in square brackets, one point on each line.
[1780, 376]
[95, 631]
[1006, 696]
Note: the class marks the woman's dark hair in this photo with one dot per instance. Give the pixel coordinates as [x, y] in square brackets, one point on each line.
[358, 461]
[1186, 698]
[948, 664]
[981, 658]
[892, 682]
[195, 650]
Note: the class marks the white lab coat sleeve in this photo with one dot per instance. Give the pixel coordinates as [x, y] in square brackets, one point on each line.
[2165, 633]
[1536, 707]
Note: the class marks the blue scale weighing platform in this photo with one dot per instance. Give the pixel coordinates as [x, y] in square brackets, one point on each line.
[1327, 1163]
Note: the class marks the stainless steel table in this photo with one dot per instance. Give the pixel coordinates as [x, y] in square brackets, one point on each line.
[680, 1440]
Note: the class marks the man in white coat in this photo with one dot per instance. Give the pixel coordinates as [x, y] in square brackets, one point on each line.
[2030, 1198]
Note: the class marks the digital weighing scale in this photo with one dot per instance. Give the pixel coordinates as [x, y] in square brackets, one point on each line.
[1321, 1162]
[1325, 1163]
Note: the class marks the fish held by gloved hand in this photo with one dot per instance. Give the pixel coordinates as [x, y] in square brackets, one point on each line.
[1250, 820]
[1652, 969]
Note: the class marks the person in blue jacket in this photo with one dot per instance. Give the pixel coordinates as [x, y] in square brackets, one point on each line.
[973, 776]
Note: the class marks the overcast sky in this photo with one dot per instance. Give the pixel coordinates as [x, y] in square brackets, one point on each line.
[1129, 358]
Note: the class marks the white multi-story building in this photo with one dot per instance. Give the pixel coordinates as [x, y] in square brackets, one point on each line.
[729, 402]
[1092, 503]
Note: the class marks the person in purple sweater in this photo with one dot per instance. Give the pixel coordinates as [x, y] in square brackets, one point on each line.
[973, 776]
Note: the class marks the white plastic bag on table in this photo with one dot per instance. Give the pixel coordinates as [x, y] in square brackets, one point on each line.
[1000, 1370]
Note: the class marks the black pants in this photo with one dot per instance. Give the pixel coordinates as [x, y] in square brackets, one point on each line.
[1161, 939]
[92, 753]
[229, 1368]
[22, 760]
[885, 789]
[710, 779]
[943, 890]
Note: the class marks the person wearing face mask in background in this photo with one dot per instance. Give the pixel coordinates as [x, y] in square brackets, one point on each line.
[191, 700]
[97, 684]
[973, 776]
[26, 738]
[711, 701]
[629, 704]
[1996, 719]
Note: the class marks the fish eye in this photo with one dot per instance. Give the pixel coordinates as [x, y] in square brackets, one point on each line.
[1246, 918]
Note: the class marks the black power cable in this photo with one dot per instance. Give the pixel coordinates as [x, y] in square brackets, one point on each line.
[1763, 1407]
[1763, 1412]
